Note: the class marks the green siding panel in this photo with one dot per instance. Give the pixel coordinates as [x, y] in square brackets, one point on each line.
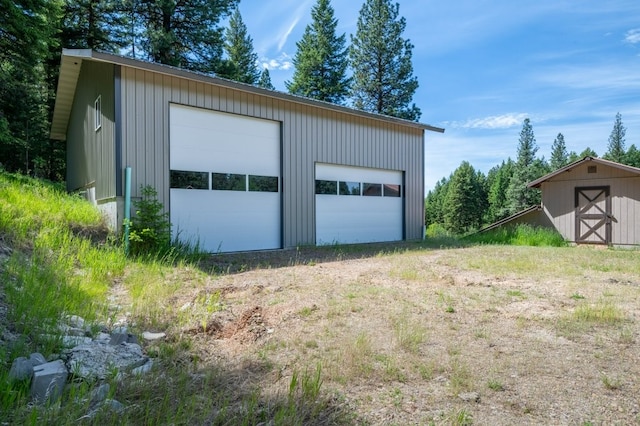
[91, 153]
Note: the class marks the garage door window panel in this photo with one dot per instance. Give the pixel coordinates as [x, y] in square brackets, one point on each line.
[349, 188]
[181, 179]
[372, 189]
[392, 190]
[328, 187]
[263, 183]
[228, 182]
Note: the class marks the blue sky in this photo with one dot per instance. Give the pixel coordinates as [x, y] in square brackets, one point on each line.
[486, 65]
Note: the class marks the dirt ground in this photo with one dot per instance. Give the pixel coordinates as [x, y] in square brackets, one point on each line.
[404, 335]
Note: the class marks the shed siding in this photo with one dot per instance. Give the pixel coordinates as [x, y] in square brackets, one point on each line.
[92, 152]
[309, 134]
[558, 201]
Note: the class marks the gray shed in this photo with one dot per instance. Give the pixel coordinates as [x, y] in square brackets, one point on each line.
[236, 166]
[593, 201]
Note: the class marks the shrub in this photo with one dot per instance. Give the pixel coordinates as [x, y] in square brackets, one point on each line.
[150, 231]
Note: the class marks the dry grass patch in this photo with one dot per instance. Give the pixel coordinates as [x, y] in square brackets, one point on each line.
[395, 338]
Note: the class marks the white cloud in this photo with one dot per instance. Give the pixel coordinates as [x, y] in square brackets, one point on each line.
[633, 36]
[282, 62]
[503, 121]
[299, 13]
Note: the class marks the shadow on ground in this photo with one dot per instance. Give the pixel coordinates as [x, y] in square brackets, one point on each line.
[231, 263]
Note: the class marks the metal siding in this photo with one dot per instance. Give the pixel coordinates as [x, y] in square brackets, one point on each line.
[309, 135]
[91, 153]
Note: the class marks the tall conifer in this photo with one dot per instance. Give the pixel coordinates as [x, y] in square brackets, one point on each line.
[383, 80]
[321, 59]
[182, 33]
[559, 154]
[242, 60]
[615, 147]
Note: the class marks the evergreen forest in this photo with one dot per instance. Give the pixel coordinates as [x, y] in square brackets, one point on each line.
[468, 199]
[206, 36]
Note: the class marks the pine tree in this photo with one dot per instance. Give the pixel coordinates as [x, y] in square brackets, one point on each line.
[265, 80]
[95, 24]
[383, 80]
[182, 33]
[525, 170]
[588, 152]
[27, 32]
[463, 204]
[242, 60]
[559, 154]
[434, 203]
[615, 148]
[321, 59]
[499, 179]
[632, 157]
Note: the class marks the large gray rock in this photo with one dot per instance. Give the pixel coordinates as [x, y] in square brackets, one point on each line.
[22, 368]
[97, 361]
[48, 381]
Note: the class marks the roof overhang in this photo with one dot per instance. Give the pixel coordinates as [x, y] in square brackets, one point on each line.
[538, 182]
[70, 70]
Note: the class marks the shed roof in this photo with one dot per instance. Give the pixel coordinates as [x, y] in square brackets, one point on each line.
[70, 70]
[536, 183]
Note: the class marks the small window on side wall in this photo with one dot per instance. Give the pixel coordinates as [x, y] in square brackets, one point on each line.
[97, 109]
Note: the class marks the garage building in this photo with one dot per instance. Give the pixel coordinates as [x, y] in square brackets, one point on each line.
[236, 166]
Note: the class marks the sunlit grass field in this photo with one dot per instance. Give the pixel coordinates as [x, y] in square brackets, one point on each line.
[402, 328]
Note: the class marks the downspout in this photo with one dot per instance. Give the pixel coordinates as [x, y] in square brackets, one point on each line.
[127, 208]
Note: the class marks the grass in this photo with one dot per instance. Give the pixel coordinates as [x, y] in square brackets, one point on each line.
[519, 235]
[393, 336]
[65, 262]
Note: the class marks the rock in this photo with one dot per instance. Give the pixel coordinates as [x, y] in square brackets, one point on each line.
[118, 338]
[103, 337]
[71, 341]
[48, 381]
[37, 358]
[97, 361]
[121, 330]
[100, 393]
[143, 369]
[112, 405]
[22, 368]
[469, 396]
[66, 341]
[78, 332]
[147, 335]
[75, 321]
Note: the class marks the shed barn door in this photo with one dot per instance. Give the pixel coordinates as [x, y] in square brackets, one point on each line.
[593, 215]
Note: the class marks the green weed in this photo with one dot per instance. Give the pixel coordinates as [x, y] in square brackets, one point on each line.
[519, 235]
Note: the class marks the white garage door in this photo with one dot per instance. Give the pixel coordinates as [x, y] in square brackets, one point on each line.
[225, 180]
[358, 205]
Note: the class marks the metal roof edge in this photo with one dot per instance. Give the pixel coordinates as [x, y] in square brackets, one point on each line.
[65, 91]
[205, 78]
